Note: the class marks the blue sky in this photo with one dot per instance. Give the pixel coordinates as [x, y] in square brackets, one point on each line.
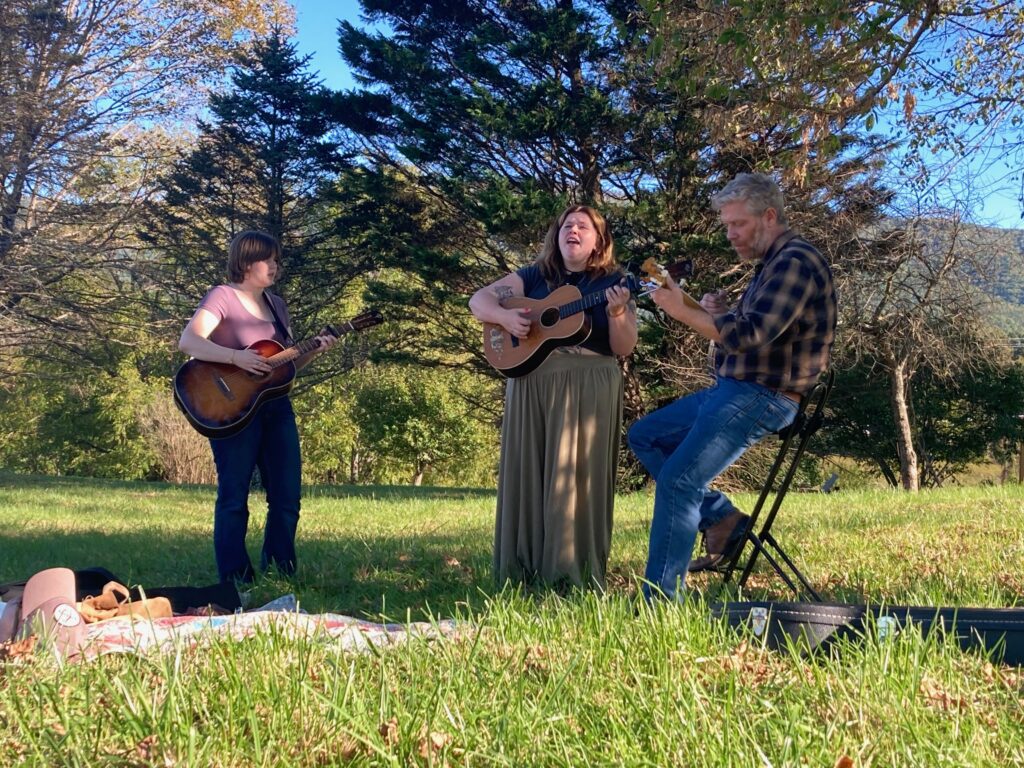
[317, 22]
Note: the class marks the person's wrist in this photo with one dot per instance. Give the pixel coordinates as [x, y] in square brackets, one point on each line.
[231, 361]
[620, 313]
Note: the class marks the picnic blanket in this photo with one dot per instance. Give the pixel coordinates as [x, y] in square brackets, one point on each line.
[138, 635]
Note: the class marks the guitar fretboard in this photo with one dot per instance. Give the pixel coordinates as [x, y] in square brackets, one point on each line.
[308, 345]
[590, 300]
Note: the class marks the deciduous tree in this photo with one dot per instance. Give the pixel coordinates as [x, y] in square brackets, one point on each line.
[83, 86]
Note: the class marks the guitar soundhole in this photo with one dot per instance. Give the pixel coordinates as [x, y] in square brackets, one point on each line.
[549, 317]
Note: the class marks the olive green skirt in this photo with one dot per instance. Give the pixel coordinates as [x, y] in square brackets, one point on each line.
[556, 482]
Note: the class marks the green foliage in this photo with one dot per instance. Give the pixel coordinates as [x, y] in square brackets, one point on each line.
[58, 426]
[968, 419]
[418, 426]
[268, 160]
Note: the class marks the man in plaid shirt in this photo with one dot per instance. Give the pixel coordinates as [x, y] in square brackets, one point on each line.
[768, 353]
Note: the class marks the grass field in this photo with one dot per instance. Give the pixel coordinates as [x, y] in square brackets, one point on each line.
[533, 679]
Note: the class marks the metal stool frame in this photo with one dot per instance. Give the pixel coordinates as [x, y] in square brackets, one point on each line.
[808, 420]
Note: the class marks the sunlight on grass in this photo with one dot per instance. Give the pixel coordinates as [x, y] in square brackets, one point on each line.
[529, 679]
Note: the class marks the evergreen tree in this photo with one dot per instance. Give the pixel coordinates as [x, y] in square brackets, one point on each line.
[267, 159]
[478, 124]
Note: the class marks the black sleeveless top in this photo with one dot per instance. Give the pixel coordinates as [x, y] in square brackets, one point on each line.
[536, 287]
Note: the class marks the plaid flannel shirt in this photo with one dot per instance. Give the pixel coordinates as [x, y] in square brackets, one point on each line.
[781, 333]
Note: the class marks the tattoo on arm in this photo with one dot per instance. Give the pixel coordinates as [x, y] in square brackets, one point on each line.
[503, 292]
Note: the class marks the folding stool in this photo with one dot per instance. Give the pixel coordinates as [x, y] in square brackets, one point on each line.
[794, 439]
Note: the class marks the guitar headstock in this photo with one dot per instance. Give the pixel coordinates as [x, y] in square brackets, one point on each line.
[656, 276]
[367, 319]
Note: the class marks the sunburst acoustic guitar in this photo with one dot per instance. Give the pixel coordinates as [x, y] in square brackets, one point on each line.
[220, 399]
[560, 319]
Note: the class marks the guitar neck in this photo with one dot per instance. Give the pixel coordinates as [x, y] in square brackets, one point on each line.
[588, 301]
[305, 346]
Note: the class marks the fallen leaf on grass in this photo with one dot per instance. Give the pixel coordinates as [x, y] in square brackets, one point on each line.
[389, 731]
[937, 696]
[431, 742]
[845, 761]
[349, 749]
[1003, 674]
[15, 650]
[146, 749]
[536, 659]
[752, 666]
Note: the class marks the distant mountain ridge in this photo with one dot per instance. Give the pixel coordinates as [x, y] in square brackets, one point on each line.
[1004, 274]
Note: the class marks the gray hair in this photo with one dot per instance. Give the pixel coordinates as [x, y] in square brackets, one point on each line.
[758, 191]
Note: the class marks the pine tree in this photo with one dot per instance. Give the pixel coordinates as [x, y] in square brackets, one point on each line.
[268, 158]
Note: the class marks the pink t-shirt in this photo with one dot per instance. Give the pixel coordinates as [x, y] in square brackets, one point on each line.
[238, 328]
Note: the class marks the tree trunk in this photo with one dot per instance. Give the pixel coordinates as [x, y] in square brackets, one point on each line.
[417, 479]
[904, 435]
[353, 467]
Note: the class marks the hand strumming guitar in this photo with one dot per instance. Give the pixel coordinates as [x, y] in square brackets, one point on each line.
[250, 360]
[714, 303]
[517, 321]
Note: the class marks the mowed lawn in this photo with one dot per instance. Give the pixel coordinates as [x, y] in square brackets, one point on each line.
[529, 679]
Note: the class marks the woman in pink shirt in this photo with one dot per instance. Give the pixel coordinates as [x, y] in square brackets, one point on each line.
[230, 318]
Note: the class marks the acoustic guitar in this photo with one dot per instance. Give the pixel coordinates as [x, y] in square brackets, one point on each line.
[559, 319]
[220, 399]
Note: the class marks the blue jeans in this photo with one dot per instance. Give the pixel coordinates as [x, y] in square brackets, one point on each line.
[271, 442]
[685, 446]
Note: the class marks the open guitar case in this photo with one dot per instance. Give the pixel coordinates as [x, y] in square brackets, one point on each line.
[820, 627]
[817, 626]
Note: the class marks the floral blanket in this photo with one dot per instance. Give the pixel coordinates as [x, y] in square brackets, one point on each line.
[127, 635]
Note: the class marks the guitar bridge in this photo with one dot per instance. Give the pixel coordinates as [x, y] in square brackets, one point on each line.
[224, 388]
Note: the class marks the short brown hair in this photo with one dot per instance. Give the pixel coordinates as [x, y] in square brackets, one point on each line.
[602, 260]
[247, 248]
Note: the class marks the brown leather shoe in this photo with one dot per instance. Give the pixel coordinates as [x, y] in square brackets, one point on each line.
[721, 541]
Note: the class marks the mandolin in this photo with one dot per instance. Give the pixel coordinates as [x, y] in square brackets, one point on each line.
[559, 320]
[220, 399]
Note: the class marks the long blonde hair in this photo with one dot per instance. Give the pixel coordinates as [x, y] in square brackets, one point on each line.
[602, 260]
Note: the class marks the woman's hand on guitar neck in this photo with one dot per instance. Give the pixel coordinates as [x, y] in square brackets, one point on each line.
[618, 297]
[327, 340]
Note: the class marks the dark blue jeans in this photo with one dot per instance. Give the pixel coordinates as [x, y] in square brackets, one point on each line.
[685, 446]
[271, 442]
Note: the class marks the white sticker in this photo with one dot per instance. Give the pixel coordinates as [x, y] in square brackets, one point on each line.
[886, 627]
[758, 619]
[66, 615]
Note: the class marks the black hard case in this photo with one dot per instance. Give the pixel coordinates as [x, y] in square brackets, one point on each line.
[998, 632]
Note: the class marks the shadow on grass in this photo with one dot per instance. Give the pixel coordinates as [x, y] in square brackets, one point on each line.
[386, 492]
[394, 492]
[366, 576]
[395, 573]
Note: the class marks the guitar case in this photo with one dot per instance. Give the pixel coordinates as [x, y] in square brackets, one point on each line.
[818, 627]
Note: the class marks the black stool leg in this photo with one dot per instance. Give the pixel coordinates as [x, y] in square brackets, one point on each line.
[808, 419]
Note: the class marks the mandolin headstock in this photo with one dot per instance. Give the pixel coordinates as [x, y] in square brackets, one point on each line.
[656, 275]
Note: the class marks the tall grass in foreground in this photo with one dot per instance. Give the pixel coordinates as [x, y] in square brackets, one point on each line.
[530, 679]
